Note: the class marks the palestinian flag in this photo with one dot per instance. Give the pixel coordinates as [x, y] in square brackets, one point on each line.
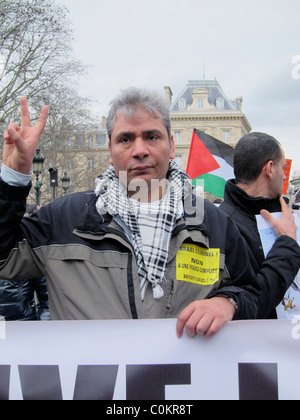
[210, 160]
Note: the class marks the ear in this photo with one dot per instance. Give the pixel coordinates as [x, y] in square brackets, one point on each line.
[269, 169]
[110, 157]
[172, 149]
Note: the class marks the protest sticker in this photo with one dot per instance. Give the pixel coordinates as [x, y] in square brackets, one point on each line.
[198, 265]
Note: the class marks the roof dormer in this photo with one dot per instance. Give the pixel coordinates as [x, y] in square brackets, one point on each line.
[200, 100]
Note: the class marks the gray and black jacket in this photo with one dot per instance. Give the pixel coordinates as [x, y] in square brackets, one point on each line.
[90, 266]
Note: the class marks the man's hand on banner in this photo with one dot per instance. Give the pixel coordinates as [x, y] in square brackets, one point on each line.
[205, 317]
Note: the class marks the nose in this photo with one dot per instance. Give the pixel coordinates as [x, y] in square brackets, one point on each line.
[140, 149]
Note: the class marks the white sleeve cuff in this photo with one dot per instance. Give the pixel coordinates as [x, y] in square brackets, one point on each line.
[13, 178]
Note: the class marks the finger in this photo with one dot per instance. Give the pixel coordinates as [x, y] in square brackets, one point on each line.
[215, 327]
[25, 116]
[196, 326]
[12, 126]
[40, 125]
[203, 326]
[287, 213]
[6, 135]
[284, 206]
[267, 216]
[194, 320]
[182, 320]
[15, 138]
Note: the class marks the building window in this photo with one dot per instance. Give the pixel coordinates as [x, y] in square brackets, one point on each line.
[70, 164]
[90, 140]
[182, 104]
[226, 136]
[220, 103]
[177, 137]
[91, 164]
[200, 103]
[71, 141]
[91, 183]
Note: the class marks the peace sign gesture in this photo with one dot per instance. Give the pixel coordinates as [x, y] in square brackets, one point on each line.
[21, 141]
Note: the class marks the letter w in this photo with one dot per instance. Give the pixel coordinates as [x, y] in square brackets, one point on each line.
[92, 382]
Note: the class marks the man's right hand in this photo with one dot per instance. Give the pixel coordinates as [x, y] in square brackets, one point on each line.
[286, 225]
[21, 141]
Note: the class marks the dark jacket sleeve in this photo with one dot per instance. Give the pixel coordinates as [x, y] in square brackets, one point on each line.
[278, 271]
[257, 294]
[17, 234]
[12, 209]
[244, 285]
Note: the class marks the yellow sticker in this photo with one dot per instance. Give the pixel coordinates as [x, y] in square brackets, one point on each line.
[198, 265]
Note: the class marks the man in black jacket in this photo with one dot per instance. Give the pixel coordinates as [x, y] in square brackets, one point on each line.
[259, 163]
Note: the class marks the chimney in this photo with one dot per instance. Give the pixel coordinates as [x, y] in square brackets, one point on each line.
[103, 122]
[168, 95]
[239, 102]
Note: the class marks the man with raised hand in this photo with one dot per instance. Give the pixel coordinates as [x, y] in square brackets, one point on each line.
[142, 245]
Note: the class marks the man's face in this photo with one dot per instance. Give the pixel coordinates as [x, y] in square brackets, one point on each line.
[141, 147]
[276, 185]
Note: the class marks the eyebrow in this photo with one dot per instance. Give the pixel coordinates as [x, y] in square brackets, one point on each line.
[145, 133]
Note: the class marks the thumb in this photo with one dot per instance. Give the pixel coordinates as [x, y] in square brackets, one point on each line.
[270, 219]
[267, 216]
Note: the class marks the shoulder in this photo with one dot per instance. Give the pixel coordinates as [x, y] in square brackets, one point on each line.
[214, 212]
[69, 204]
[62, 212]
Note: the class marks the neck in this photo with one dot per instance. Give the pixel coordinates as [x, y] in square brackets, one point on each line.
[255, 189]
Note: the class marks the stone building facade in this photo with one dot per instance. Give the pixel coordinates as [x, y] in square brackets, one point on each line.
[203, 105]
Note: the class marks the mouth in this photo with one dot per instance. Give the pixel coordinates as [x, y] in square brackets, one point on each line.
[141, 168]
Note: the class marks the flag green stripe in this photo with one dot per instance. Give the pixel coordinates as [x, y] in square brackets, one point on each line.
[212, 184]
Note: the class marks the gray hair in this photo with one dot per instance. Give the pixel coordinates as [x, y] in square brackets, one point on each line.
[132, 100]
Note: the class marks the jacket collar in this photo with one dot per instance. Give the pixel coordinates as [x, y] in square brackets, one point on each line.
[90, 221]
[253, 205]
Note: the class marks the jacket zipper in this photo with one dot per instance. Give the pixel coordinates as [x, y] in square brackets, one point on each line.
[130, 287]
[169, 302]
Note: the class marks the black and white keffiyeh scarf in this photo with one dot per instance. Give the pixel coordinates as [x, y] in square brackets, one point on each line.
[151, 224]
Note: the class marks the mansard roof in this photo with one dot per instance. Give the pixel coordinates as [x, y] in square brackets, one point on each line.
[214, 90]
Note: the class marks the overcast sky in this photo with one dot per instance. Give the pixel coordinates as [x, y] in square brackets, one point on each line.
[247, 45]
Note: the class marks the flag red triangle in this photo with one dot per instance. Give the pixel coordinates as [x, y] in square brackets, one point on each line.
[200, 160]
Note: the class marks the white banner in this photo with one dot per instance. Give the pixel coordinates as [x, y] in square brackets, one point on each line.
[144, 360]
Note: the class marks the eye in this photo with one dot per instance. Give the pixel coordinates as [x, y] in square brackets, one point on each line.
[152, 137]
[124, 140]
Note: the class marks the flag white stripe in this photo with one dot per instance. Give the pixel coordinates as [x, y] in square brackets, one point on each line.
[225, 171]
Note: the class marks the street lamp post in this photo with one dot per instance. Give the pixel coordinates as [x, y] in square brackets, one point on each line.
[66, 182]
[37, 166]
